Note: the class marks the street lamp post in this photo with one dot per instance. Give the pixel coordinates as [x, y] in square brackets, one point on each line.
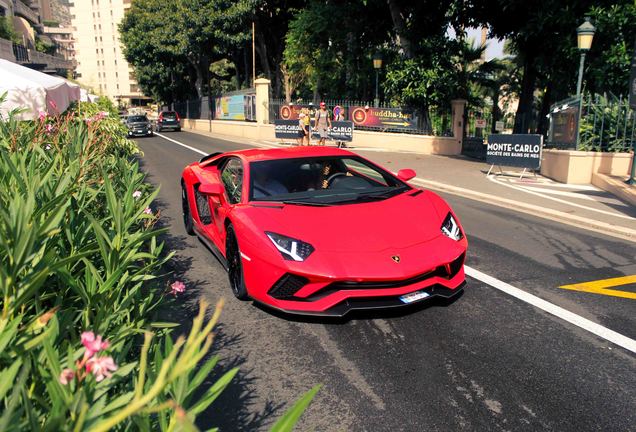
[584, 36]
[377, 65]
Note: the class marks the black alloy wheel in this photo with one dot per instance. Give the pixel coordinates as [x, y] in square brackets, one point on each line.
[234, 265]
[187, 217]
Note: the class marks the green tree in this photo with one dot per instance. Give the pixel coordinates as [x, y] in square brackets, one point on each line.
[172, 41]
[608, 68]
[329, 47]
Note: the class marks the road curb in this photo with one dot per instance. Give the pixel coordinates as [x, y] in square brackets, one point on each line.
[555, 215]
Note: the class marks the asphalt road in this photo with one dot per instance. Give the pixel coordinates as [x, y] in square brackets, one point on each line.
[486, 361]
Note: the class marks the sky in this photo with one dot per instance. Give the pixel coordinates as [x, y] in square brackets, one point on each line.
[494, 47]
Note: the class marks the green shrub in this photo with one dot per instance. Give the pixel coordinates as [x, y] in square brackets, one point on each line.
[79, 259]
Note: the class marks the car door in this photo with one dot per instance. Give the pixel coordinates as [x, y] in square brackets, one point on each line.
[232, 178]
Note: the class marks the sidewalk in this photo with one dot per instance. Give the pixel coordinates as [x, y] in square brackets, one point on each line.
[579, 205]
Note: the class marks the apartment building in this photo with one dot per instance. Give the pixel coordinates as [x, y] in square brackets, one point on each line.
[100, 61]
[33, 38]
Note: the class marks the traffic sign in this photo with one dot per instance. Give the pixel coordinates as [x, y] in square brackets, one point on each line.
[480, 123]
[499, 126]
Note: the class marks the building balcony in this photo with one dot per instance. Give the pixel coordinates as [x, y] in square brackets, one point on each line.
[18, 53]
[22, 10]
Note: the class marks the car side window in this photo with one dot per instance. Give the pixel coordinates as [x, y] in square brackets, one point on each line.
[232, 178]
[364, 170]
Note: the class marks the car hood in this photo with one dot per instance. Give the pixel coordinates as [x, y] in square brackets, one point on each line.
[398, 222]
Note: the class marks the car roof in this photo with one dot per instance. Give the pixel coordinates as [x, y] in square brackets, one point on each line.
[253, 155]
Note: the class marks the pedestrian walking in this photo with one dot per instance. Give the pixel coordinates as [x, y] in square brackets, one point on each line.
[323, 123]
[307, 126]
[302, 131]
[338, 116]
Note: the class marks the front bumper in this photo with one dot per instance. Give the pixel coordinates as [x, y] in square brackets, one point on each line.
[341, 287]
[376, 303]
[140, 132]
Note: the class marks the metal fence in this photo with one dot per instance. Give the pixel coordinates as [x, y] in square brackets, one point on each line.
[607, 124]
[437, 121]
[200, 108]
[205, 108]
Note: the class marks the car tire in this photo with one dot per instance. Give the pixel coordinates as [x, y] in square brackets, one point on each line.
[235, 265]
[158, 129]
[178, 129]
[187, 216]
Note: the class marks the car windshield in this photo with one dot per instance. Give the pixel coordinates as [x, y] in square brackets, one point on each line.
[321, 181]
[137, 118]
[169, 115]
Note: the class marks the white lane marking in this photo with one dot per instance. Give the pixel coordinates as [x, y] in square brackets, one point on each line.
[182, 144]
[576, 195]
[494, 180]
[564, 314]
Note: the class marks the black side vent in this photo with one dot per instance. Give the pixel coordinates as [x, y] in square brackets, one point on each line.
[416, 193]
[287, 286]
[456, 265]
[203, 207]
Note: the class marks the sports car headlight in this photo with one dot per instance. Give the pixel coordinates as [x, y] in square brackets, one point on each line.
[450, 228]
[290, 248]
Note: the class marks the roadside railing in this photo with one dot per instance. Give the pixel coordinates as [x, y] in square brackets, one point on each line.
[606, 123]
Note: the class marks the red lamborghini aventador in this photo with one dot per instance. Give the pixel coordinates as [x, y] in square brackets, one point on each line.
[316, 230]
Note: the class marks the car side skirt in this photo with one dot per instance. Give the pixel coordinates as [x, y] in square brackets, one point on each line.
[213, 248]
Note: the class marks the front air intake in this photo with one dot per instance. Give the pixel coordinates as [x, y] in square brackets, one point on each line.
[287, 286]
[456, 265]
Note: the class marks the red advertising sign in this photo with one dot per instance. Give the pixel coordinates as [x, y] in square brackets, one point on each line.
[389, 118]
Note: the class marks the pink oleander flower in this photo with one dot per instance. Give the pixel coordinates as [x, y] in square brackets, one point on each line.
[93, 344]
[148, 211]
[42, 116]
[49, 128]
[136, 194]
[66, 376]
[177, 287]
[101, 367]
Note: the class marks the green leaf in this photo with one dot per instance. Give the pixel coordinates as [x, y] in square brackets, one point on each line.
[213, 392]
[287, 422]
[118, 402]
[7, 376]
[161, 324]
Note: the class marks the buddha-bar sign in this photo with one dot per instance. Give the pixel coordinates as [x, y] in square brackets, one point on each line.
[385, 118]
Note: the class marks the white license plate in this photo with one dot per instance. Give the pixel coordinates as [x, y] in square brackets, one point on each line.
[414, 296]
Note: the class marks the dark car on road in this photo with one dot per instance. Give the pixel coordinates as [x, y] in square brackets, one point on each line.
[138, 125]
[168, 120]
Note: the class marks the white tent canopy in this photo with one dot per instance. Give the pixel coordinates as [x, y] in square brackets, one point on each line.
[34, 91]
[85, 96]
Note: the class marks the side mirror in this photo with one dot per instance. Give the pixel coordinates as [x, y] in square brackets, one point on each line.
[211, 189]
[406, 174]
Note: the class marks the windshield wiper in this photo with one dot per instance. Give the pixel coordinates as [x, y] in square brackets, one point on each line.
[307, 203]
